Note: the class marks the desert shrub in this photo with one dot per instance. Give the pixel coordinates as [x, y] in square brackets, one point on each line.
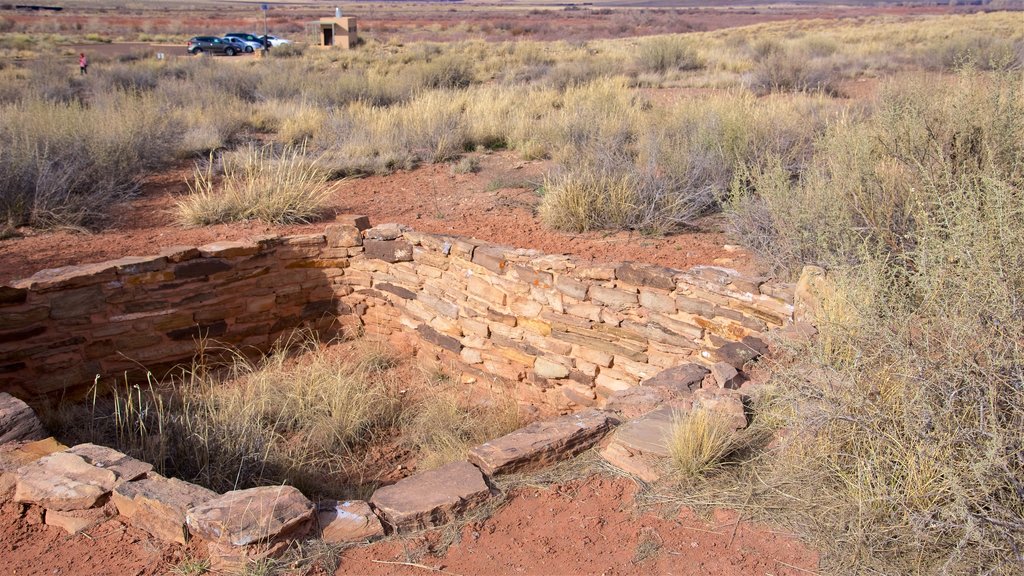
[288, 51]
[658, 170]
[781, 69]
[291, 121]
[379, 139]
[448, 71]
[258, 183]
[909, 408]
[466, 165]
[67, 164]
[699, 442]
[983, 52]
[665, 53]
[209, 120]
[130, 77]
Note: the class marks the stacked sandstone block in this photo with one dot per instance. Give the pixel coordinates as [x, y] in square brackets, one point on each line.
[577, 332]
[572, 333]
[62, 328]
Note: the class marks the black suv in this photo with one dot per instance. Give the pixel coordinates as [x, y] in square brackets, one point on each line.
[247, 37]
[211, 44]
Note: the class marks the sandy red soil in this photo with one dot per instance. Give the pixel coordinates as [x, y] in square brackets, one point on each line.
[591, 526]
[27, 547]
[587, 526]
[430, 199]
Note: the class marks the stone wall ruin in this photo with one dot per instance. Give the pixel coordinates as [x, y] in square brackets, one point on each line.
[569, 333]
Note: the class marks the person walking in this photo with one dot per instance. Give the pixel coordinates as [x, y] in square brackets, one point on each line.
[83, 64]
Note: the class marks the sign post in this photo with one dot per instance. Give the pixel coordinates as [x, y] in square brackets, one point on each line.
[265, 41]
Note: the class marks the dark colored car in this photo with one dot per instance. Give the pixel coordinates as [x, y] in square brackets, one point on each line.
[247, 37]
[211, 44]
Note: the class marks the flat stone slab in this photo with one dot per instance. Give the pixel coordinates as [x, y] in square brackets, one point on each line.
[63, 481]
[648, 434]
[126, 467]
[349, 521]
[18, 422]
[542, 443]
[158, 505]
[637, 401]
[14, 455]
[244, 517]
[641, 446]
[431, 498]
[678, 380]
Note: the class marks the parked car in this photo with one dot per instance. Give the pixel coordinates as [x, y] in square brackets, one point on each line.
[243, 45]
[247, 37]
[211, 44]
[275, 41]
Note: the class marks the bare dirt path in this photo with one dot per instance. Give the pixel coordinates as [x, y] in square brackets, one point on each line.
[497, 204]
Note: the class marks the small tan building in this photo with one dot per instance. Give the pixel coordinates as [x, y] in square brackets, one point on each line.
[338, 31]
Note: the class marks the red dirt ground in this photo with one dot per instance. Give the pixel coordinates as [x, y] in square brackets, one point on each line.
[430, 199]
[27, 547]
[599, 533]
[596, 531]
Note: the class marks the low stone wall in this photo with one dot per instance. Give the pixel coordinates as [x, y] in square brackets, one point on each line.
[572, 333]
[61, 328]
[576, 332]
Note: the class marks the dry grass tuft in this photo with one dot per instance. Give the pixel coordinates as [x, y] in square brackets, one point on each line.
[258, 183]
[700, 442]
[306, 415]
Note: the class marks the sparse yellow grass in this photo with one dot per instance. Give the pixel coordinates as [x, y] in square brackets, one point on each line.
[258, 183]
[306, 414]
[699, 442]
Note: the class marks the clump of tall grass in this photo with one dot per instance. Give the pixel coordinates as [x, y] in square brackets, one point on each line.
[668, 53]
[783, 68]
[699, 442]
[258, 183]
[445, 423]
[67, 164]
[910, 408]
[626, 164]
[305, 415]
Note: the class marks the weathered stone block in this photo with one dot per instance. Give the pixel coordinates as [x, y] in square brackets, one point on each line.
[541, 443]
[571, 287]
[126, 467]
[388, 250]
[680, 380]
[657, 301]
[613, 297]
[491, 258]
[436, 338]
[646, 275]
[158, 505]
[342, 236]
[358, 221]
[18, 422]
[548, 369]
[63, 481]
[387, 231]
[533, 277]
[728, 404]
[75, 521]
[244, 517]
[350, 521]
[201, 267]
[229, 249]
[431, 498]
